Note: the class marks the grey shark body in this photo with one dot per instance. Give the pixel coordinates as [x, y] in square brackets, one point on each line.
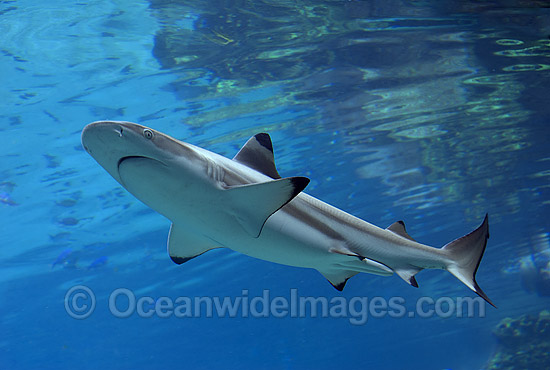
[243, 204]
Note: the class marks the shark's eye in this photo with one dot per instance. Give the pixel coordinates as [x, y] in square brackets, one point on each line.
[148, 134]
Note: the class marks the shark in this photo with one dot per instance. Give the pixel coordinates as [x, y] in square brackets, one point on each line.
[244, 204]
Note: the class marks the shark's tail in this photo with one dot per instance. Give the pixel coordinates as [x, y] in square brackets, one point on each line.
[466, 253]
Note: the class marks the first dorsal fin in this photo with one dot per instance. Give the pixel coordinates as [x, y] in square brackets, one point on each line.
[257, 154]
[398, 228]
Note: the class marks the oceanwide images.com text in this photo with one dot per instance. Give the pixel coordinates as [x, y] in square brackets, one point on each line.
[80, 303]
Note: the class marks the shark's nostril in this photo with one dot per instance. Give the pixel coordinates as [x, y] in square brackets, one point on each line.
[120, 131]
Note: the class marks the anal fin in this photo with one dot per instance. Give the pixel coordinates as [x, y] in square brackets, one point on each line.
[407, 274]
[184, 245]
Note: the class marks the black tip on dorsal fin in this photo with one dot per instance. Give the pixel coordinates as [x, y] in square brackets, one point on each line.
[265, 141]
[257, 154]
[398, 228]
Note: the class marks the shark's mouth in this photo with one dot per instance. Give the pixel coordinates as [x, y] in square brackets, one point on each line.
[147, 179]
[130, 157]
[136, 169]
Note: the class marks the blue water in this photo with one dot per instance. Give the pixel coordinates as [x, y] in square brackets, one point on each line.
[431, 112]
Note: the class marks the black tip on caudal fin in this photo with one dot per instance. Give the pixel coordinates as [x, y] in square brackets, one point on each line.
[466, 253]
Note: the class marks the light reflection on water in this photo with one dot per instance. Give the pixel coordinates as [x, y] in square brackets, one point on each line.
[412, 88]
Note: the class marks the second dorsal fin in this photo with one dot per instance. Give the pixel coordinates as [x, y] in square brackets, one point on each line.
[257, 154]
[398, 228]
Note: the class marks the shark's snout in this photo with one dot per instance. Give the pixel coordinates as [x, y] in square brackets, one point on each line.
[97, 135]
[109, 142]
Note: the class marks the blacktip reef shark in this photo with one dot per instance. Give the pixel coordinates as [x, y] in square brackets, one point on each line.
[245, 205]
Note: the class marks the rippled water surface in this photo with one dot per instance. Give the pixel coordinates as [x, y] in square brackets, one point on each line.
[431, 112]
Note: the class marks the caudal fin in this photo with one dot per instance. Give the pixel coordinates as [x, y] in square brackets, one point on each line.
[466, 253]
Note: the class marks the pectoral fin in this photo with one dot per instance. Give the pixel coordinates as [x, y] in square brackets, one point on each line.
[252, 204]
[184, 245]
[338, 278]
